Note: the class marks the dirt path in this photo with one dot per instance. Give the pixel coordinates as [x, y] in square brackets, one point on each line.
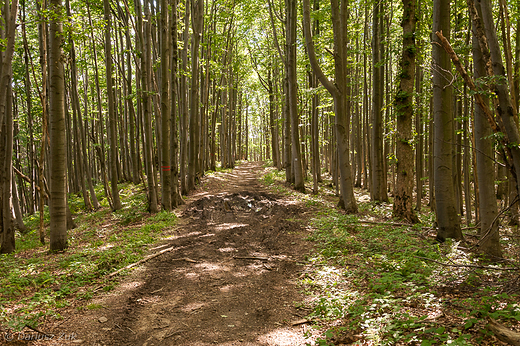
[231, 278]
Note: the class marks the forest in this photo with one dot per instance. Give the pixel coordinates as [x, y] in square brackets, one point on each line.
[409, 107]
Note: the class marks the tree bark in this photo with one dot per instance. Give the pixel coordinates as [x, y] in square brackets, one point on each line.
[403, 207]
[377, 188]
[197, 25]
[485, 167]
[58, 146]
[340, 91]
[447, 215]
[114, 161]
[292, 95]
[165, 109]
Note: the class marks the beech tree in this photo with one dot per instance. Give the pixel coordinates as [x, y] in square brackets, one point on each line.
[7, 239]
[403, 103]
[448, 222]
[340, 91]
[58, 148]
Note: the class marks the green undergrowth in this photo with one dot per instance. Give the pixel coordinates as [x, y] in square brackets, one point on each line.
[35, 285]
[379, 284]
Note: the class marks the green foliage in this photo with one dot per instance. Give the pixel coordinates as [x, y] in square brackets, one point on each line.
[35, 284]
[374, 278]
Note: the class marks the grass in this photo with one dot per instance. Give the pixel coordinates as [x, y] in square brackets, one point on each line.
[35, 284]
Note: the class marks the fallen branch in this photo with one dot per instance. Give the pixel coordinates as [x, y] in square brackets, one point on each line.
[394, 224]
[503, 333]
[467, 265]
[173, 333]
[251, 258]
[38, 331]
[298, 322]
[146, 259]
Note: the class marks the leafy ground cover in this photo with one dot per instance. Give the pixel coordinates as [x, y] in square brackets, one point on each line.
[371, 281]
[35, 285]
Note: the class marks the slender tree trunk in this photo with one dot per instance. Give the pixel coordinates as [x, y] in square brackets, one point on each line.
[485, 167]
[176, 197]
[419, 151]
[7, 240]
[447, 215]
[183, 100]
[197, 25]
[147, 112]
[58, 147]
[297, 165]
[378, 188]
[165, 108]
[99, 144]
[114, 161]
[403, 103]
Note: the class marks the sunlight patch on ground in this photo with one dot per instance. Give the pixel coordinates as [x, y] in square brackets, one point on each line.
[227, 249]
[207, 235]
[240, 274]
[160, 246]
[226, 226]
[191, 275]
[131, 285]
[106, 247]
[211, 267]
[193, 306]
[149, 299]
[282, 337]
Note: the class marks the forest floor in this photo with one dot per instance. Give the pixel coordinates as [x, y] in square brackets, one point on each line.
[249, 261]
[230, 278]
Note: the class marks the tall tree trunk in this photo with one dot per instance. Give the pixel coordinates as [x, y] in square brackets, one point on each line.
[485, 168]
[340, 91]
[447, 215]
[7, 240]
[58, 147]
[378, 188]
[292, 13]
[114, 161]
[134, 144]
[165, 108]
[176, 197]
[183, 99]
[99, 144]
[403, 208]
[197, 25]
[146, 71]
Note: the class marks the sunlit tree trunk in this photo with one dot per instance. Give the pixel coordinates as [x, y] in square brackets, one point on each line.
[197, 25]
[296, 157]
[176, 197]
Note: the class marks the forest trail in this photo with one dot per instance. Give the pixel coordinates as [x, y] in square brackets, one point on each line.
[231, 278]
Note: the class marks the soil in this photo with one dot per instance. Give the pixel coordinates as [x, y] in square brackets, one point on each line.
[230, 279]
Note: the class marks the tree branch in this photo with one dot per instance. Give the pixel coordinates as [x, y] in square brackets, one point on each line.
[312, 54]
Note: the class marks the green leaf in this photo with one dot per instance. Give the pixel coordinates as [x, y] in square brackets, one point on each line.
[440, 330]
